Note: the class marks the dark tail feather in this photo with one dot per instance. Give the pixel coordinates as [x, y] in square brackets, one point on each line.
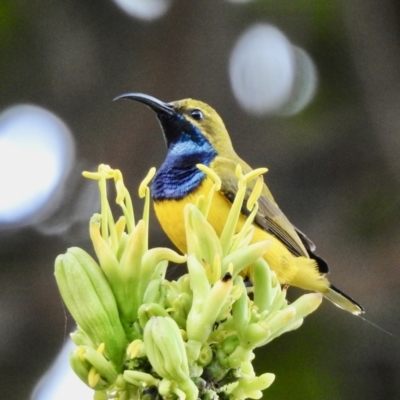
[341, 300]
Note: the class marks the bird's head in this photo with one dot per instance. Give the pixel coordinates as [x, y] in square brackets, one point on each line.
[187, 121]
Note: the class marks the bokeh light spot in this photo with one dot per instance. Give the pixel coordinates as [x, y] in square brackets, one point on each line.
[36, 153]
[60, 381]
[304, 85]
[268, 74]
[144, 9]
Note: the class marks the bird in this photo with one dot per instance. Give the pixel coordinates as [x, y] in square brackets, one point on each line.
[195, 134]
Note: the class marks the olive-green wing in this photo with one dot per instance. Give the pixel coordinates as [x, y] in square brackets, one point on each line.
[269, 216]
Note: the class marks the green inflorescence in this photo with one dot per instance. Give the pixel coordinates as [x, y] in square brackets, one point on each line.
[141, 336]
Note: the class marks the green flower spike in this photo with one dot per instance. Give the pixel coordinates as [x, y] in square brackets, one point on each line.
[124, 256]
[141, 336]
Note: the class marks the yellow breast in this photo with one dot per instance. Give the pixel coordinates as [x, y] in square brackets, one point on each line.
[170, 213]
[299, 271]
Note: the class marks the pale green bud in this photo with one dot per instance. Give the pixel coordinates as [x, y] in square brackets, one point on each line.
[255, 334]
[246, 256]
[222, 357]
[303, 306]
[152, 258]
[205, 355]
[240, 309]
[129, 271]
[279, 301]
[243, 238]
[136, 349]
[165, 348]
[193, 348]
[92, 368]
[306, 304]
[198, 283]
[264, 293]
[251, 387]
[81, 339]
[89, 298]
[230, 344]
[195, 370]
[140, 379]
[155, 292]
[107, 259]
[230, 225]
[169, 389]
[239, 356]
[281, 318]
[185, 390]
[80, 365]
[148, 311]
[200, 324]
[102, 366]
[180, 303]
[201, 237]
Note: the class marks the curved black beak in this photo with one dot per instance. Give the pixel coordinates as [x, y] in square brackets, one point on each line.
[156, 105]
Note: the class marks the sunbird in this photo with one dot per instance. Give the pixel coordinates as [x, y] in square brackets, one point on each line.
[195, 134]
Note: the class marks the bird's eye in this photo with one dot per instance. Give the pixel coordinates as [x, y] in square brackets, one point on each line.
[197, 114]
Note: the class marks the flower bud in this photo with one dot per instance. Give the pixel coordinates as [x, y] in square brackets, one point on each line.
[148, 311]
[140, 379]
[246, 256]
[230, 344]
[165, 348]
[201, 237]
[307, 303]
[251, 387]
[201, 319]
[81, 339]
[88, 297]
[205, 355]
[154, 293]
[255, 334]
[102, 366]
[135, 349]
[263, 290]
[92, 368]
[152, 258]
[240, 309]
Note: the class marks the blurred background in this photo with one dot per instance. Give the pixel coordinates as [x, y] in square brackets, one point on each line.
[310, 89]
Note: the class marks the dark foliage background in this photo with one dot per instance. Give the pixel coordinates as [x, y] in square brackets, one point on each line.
[334, 168]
